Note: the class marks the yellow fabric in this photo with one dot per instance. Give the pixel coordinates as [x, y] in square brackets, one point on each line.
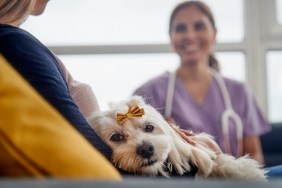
[37, 141]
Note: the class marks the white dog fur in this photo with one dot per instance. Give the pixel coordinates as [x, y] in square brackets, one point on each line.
[143, 144]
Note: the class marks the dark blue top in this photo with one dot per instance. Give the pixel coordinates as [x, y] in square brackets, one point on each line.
[36, 63]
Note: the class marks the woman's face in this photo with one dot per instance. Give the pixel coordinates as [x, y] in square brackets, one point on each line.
[192, 35]
[39, 7]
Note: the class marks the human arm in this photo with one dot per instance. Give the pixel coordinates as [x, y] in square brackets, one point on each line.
[255, 124]
[252, 146]
[193, 139]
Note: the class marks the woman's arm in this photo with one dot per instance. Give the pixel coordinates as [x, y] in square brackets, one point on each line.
[252, 146]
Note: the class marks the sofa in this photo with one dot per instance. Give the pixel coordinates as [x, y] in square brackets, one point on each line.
[272, 145]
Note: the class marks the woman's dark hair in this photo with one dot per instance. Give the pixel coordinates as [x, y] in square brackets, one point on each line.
[213, 63]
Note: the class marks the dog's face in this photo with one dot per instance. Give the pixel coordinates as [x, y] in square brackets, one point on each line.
[141, 144]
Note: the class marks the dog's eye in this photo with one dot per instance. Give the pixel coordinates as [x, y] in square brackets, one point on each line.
[149, 128]
[116, 137]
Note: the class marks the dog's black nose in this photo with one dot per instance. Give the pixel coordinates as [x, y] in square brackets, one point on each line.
[145, 150]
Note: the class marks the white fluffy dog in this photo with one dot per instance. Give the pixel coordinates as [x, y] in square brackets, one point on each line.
[142, 142]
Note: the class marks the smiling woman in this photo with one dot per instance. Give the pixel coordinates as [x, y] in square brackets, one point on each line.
[222, 107]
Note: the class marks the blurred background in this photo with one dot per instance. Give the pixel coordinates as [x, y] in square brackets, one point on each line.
[115, 45]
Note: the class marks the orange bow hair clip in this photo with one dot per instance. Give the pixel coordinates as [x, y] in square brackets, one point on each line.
[134, 111]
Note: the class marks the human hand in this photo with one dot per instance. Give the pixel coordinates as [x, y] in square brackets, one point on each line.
[184, 134]
[192, 138]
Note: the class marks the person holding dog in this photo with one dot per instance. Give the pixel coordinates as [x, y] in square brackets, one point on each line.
[196, 97]
[44, 71]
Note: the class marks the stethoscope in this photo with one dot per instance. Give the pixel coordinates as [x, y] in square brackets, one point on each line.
[228, 114]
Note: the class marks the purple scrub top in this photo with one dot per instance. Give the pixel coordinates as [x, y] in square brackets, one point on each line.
[206, 117]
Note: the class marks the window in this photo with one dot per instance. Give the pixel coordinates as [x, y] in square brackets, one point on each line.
[232, 65]
[271, 48]
[274, 82]
[111, 22]
[279, 11]
[106, 22]
[114, 77]
[229, 17]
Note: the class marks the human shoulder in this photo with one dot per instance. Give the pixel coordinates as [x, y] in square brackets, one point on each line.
[8, 32]
[234, 85]
[237, 89]
[15, 40]
[20, 47]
